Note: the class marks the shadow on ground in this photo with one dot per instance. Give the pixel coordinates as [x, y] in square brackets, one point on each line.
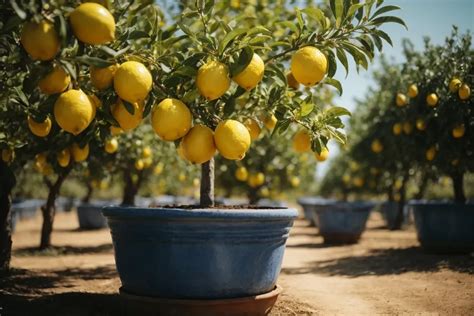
[386, 262]
[63, 250]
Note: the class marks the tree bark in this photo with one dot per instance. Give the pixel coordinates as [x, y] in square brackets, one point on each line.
[458, 187]
[207, 184]
[253, 196]
[401, 205]
[7, 182]
[49, 209]
[87, 197]
[130, 189]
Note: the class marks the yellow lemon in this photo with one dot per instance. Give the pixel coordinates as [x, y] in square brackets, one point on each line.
[146, 153]
[464, 92]
[322, 156]
[198, 145]
[126, 120]
[111, 145]
[309, 65]
[232, 139]
[132, 81]
[432, 99]
[420, 124]
[302, 141]
[292, 83]
[158, 169]
[55, 82]
[265, 192]
[41, 158]
[139, 164]
[182, 177]
[430, 153]
[376, 146]
[147, 163]
[458, 131]
[40, 40]
[454, 85]
[252, 74]
[64, 157]
[39, 129]
[295, 182]
[354, 166]
[74, 111]
[213, 80]
[358, 182]
[346, 179]
[79, 153]
[102, 78]
[114, 130]
[256, 179]
[253, 127]
[241, 174]
[401, 99]
[180, 150]
[412, 91]
[397, 129]
[93, 24]
[407, 128]
[270, 122]
[8, 155]
[171, 119]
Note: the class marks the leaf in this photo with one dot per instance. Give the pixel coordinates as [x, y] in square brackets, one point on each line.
[289, 25]
[337, 111]
[148, 105]
[137, 34]
[332, 64]
[61, 27]
[385, 9]
[341, 55]
[129, 107]
[377, 41]
[385, 36]
[244, 59]
[259, 30]
[337, 10]
[339, 136]
[316, 14]
[69, 68]
[306, 108]
[22, 96]
[335, 83]
[21, 14]
[229, 37]
[94, 61]
[388, 19]
[281, 127]
[229, 106]
[352, 10]
[185, 29]
[299, 19]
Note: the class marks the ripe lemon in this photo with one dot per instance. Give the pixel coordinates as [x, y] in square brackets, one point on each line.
[412, 91]
[132, 81]
[252, 74]
[454, 85]
[180, 150]
[241, 174]
[92, 24]
[171, 119]
[270, 122]
[213, 80]
[139, 164]
[401, 99]
[407, 128]
[198, 145]
[432, 99]
[354, 166]
[295, 182]
[8, 155]
[182, 177]
[40, 40]
[309, 65]
[256, 179]
[55, 82]
[114, 130]
[358, 182]
[102, 78]
[346, 179]
[464, 92]
[430, 153]
[111, 145]
[126, 120]
[41, 158]
[74, 111]
[232, 139]
[158, 169]
[79, 153]
[265, 192]
[253, 127]
[420, 124]
[292, 83]
[64, 157]
[322, 156]
[147, 163]
[39, 129]
[302, 141]
[397, 129]
[376, 146]
[458, 131]
[146, 153]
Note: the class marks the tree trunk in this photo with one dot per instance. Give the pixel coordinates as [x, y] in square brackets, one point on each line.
[401, 205]
[458, 187]
[7, 182]
[207, 184]
[49, 209]
[253, 196]
[130, 189]
[87, 197]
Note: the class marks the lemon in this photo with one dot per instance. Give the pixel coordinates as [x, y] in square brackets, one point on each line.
[111, 145]
[354, 166]
[132, 81]
[464, 92]
[252, 74]
[40, 40]
[55, 82]
[198, 145]
[158, 168]
[397, 128]
[74, 111]
[454, 85]
[180, 151]
[401, 99]
[358, 182]
[309, 65]
[302, 141]
[8, 155]
[322, 156]
[147, 163]
[458, 131]
[376, 146]
[430, 153]
[432, 99]
[126, 120]
[270, 122]
[253, 127]
[412, 91]
[93, 24]
[255, 180]
[79, 153]
[346, 179]
[295, 182]
[265, 192]
[64, 157]
[407, 128]
[139, 164]
[232, 139]
[114, 130]
[241, 174]
[41, 158]
[146, 153]
[292, 83]
[102, 78]
[171, 119]
[213, 80]
[182, 177]
[420, 124]
[39, 129]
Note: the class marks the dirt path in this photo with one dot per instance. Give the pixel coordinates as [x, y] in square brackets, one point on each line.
[386, 273]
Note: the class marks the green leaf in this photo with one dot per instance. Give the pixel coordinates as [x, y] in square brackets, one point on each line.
[21, 14]
[290, 25]
[306, 108]
[229, 37]
[332, 64]
[69, 69]
[137, 34]
[94, 61]
[316, 14]
[385, 9]
[341, 55]
[185, 29]
[281, 127]
[337, 111]
[335, 83]
[229, 106]
[377, 41]
[388, 19]
[352, 10]
[129, 107]
[22, 96]
[259, 30]
[339, 136]
[337, 7]
[299, 19]
[385, 36]
[244, 59]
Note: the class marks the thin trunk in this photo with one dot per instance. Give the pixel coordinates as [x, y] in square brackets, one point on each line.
[207, 184]
[49, 209]
[458, 187]
[253, 196]
[130, 189]
[390, 193]
[401, 204]
[422, 189]
[7, 182]
[87, 197]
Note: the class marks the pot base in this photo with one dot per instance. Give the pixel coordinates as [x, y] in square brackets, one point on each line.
[340, 238]
[251, 305]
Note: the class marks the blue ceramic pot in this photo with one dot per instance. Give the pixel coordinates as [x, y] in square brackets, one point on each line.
[444, 227]
[26, 208]
[309, 205]
[198, 253]
[342, 222]
[90, 215]
[389, 212]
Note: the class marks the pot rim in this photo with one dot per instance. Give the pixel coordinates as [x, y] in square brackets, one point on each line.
[438, 203]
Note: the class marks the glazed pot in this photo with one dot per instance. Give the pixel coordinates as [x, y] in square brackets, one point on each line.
[389, 212]
[181, 253]
[342, 222]
[309, 205]
[90, 215]
[444, 227]
[26, 208]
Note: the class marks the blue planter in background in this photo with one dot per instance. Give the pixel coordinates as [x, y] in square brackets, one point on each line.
[444, 227]
[90, 215]
[389, 212]
[198, 253]
[310, 205]
[342, 222]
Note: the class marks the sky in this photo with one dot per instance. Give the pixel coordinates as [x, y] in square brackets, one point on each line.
[432, 18]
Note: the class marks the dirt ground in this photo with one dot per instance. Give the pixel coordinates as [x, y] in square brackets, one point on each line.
[385, 274]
